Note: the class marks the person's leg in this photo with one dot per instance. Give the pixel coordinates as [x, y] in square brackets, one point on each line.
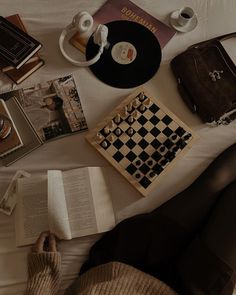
[208, 265]
[149, 241]
[191, 207]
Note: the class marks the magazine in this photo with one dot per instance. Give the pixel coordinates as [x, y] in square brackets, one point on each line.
[114, 10]
[53, 108]
[44, 112]
[72, 203]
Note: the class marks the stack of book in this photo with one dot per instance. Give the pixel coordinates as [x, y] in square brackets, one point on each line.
[19, 56]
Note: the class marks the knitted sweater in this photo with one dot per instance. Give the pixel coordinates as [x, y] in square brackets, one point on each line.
[111, 278]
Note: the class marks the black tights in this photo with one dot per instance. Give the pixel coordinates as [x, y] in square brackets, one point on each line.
[190, 241]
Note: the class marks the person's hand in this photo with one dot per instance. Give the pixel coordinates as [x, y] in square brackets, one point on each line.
[46, 242]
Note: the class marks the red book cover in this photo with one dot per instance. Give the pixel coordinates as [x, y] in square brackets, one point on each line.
[114, 10]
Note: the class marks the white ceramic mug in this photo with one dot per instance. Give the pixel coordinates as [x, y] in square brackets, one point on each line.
[186, 15]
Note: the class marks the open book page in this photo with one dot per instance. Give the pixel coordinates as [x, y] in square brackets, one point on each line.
[57, 210]
[32, 209]
[53, 108]
[79, 201]
[101, 198]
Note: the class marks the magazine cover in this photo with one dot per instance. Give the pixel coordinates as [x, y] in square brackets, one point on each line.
[125, 10]
[53, 108]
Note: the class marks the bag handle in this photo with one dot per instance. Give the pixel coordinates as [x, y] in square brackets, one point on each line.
[226, 36]
[219, 38]
[226, 119]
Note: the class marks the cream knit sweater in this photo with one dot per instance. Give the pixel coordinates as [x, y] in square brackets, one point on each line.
[113, 278]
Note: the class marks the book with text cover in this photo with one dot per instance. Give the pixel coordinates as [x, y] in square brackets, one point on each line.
[16, 46]
[13, 140]
[44, 112]
[31, 65]
[70, 204]
[114, 10]
[25, 71]
[15, 19]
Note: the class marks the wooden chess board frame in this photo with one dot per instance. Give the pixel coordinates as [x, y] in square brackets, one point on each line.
[90, 137]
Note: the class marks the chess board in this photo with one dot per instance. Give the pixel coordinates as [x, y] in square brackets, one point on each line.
[142, 139]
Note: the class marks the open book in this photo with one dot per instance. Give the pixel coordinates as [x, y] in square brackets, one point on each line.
[70, 204]
[44, 112]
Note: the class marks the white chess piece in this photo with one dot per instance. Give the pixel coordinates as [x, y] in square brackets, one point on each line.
[117, 119]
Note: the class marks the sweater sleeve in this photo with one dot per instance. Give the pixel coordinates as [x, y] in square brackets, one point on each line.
[44, 273]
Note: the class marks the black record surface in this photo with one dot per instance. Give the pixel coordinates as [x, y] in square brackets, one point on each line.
[144, 66]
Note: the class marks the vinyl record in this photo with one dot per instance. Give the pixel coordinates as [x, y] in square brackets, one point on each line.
[132, 57]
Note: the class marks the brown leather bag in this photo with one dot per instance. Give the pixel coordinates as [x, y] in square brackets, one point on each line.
[206, 78]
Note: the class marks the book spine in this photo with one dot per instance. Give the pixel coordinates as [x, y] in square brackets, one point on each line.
[9, 68]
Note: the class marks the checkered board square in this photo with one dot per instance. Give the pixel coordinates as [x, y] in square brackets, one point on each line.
[142, 139]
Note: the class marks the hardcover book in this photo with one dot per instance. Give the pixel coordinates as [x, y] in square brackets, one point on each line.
[25, 71]
[44, 112]
[70, 204]
[16, 46]
[114, 10]
[15, 19]
[33, 64]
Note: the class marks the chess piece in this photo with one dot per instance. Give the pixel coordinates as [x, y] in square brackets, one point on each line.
[170, 156]
[130, 119]
[147, 102]
[142, 108]
[135, 114]
[130, 131]
[104, 144]
[106, 130]
[118, 131]
[136, 102]
[163, 162]
[130, 107]
[138, 175]
[181, 131]
[111, 138]
[117, 119]
[174, 137]
[187, 136]
[142, 96]
[125, 112]
[99, 136]
[181, 143]
[158, 169]
[162, 149]
[175, 149]
[111, 125]
[152, 174]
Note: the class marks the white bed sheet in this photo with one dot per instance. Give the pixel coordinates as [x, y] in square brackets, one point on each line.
[45, 19]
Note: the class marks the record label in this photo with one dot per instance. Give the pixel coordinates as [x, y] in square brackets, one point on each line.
[123, 53]
[132, 55]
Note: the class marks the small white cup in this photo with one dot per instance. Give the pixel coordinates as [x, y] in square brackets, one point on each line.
[186, 15]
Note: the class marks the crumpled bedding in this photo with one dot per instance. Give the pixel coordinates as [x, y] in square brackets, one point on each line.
[44, 20]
